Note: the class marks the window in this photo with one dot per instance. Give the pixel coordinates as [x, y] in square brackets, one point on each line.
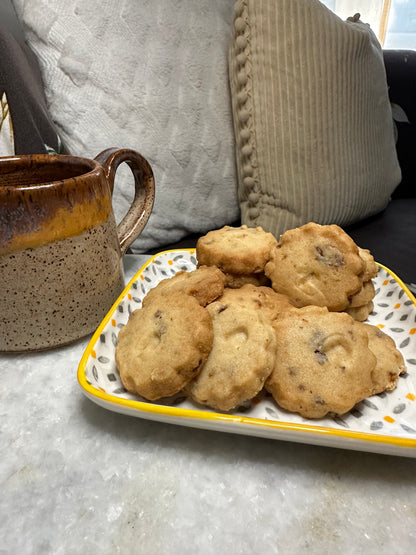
[401, 26]
[393, 21]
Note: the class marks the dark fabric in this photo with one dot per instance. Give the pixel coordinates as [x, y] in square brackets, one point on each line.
[391, 237]
[401, 79]
[20, 78]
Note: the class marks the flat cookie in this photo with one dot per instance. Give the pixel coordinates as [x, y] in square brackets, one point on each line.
[206, 283]
[360, 313]
[323, 362]
[316, 265]
[241, 358]
[390, 363]
[236, 250]
[164, 345]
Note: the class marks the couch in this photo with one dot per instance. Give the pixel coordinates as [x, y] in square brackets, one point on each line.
[69, 97]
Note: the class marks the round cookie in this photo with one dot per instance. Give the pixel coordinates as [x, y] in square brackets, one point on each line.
[206, 283]
[236, 250]
[323, 362]
[390, 363]
[241, 358]
[316, 265]
[164, 345]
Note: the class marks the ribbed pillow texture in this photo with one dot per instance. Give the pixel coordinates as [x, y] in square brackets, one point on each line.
[312, 118]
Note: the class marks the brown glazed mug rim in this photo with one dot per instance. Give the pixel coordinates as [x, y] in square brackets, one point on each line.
[33, 187]
[21, 161]
[36, 191]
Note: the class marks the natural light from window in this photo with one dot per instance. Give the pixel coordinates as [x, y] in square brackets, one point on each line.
[393, 21]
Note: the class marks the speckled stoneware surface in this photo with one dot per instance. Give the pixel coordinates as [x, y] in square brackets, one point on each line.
[383, 423]
[60, 247]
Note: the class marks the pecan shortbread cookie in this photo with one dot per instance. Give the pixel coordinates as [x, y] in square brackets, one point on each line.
[164, 345]
[390, 362]
[323, 362]
[236, 250]
[206, 283]
[242, 357]
[316, 265]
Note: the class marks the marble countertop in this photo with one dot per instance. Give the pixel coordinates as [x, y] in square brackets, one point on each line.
[79, 479]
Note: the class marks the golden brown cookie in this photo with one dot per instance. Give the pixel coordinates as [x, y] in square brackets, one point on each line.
[316, 265]
[390, 362]
[236, 250]
[360, 313]
[241, 358]
[164, 345]
[323, 362]
[206, 283]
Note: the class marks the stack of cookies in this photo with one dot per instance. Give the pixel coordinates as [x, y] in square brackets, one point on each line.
[285, 316]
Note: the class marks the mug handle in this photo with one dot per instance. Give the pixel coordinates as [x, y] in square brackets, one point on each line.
[138, 214]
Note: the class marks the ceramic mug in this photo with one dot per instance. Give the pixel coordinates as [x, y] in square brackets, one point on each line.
[60, 248]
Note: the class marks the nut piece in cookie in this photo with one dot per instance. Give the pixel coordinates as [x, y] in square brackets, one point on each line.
[164, 345]
[236, 250]
[390, 363]
[241, 358]
[316, 265]
[323, 362]
[206, 283]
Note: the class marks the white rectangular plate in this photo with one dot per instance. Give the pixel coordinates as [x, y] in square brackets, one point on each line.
[384, 423]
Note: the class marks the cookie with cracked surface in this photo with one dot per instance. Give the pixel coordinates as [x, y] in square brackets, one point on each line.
[236, 250]
[206, 283]
[242, 357]
[316, 265]
[164, 345]
[323, 362]
[360, 313]
[390, 362]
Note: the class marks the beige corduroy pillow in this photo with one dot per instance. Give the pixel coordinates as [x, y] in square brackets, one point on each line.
[312, 118]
